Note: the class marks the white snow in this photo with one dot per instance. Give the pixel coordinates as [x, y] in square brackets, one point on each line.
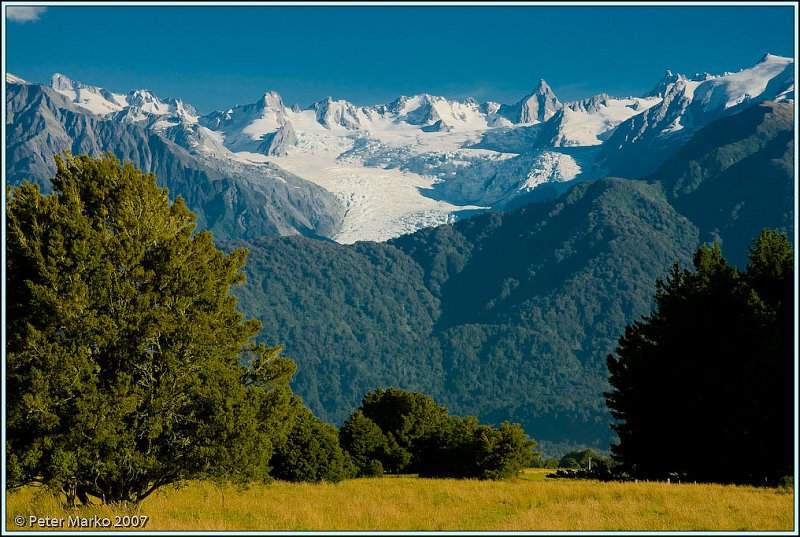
[96, 100]
[13, 79]
[690, 86]
[551, 167]
[584, 128]
[261, 126]
[162, 124]
[734, 88]
[787, 94]
[380, 203]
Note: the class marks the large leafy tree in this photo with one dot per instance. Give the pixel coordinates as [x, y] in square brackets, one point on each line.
[703, 386]
[128, 366]
[366, 444]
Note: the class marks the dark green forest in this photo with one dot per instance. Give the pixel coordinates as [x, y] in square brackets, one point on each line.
[482, 316]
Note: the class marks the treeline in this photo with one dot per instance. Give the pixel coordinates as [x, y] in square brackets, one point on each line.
[395, 431]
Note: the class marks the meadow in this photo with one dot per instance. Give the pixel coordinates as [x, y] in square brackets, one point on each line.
[528, 503]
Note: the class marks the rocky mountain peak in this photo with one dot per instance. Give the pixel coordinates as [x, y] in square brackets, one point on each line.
[536, 107]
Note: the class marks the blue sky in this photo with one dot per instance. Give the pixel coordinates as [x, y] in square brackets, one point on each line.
[215, 56]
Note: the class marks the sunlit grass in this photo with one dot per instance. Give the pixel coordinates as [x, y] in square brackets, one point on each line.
[528, 503]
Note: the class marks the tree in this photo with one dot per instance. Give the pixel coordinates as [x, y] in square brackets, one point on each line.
[701, 387]
[366, 444]
[578, 459]
[311, 451]
[404, 418]
[770, 274]
[128, 366]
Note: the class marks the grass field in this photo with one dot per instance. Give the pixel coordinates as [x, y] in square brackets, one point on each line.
[528, 503]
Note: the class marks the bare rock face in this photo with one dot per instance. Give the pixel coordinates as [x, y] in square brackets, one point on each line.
[439, 126]
[275, 143]
[332, 113]
[233, 200]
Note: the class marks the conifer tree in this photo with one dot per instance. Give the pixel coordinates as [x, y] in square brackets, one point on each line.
[702, 387]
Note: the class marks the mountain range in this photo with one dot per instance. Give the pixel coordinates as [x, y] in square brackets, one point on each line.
[346, 172]
[488, 255]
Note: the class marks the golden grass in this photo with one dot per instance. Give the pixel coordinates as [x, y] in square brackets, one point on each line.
[529, 503]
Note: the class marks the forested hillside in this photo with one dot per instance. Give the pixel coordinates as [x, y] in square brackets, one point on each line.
[511, 315]
[735, 177]
[505, 316]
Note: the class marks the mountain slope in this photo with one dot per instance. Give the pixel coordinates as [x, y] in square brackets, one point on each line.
[538, 106]
[506, 316]
[352, 317]
[735, 177]
[234, 200]
[642, 143]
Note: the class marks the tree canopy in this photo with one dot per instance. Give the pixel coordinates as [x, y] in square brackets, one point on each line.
[365, 443]
[703, 387]
[128, 365]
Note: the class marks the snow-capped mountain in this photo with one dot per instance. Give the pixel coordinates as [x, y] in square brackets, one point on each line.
[642, 142]
[588, 122]
[338, 115]
[715, 95]
[138, 105]
[242, 127]
[142, 105]
[233, 199]
[421, 160]
[96, 100]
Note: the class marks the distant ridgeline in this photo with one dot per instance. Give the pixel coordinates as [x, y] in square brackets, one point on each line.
[511, 315]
